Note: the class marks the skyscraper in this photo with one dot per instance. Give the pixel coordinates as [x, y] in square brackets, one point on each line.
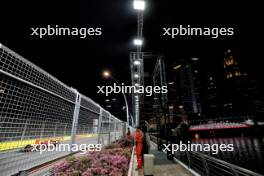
[210, 104]
[240, 91]
[187, 79]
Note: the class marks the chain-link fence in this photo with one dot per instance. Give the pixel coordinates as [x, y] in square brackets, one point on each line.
[36, 108]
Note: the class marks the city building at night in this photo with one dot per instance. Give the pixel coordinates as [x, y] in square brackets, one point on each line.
[211, 102]
[240, 91]
[186, 87]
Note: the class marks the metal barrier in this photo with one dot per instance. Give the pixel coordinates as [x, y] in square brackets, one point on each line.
[209, 166]
[36, 107]
[206, 165]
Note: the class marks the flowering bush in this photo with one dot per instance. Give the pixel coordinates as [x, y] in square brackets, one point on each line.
[125, 142]
[111, 146]
[113, 160]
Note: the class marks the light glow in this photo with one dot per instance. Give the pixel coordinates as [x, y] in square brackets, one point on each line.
[139, 5]
[136, 62]
[138, 42]
[106, 74]
[177, 67]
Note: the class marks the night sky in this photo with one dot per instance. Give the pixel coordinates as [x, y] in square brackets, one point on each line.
[79, 62]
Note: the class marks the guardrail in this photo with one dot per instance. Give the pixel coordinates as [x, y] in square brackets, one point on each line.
[209, 166]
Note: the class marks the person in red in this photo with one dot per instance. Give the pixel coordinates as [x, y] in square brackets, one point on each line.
[139, 145]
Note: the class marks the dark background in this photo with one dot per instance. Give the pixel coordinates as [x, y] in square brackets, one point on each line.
[79, 62]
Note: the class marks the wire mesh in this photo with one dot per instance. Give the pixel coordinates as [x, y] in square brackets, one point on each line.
[35, 107]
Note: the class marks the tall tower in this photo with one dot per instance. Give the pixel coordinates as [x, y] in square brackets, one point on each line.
[239, 89]
[211, 99]
[187, 78]
[230, 66]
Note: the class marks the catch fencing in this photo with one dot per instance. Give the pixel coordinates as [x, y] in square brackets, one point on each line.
[35, 107]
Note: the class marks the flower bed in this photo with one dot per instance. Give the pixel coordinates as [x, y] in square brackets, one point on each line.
[113, 160]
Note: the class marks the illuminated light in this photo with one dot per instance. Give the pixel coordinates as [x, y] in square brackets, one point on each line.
[136, 76]
[2, 90]
[181, 107]
[171, 83]
[108, 106]
[237, 73]
[139, 4]
[195, 59]
[106, 74]
[114, 99]
[177, 67]
[138, 42]
[107, 100]
[136, 62]
[136, 84]
[196, 136]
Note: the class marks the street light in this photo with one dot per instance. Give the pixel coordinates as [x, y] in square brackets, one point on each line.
[176, 67]
[107, 74]
[194, 59]
[138, 42]
[136, 76]
[139, 5]
[136, 62]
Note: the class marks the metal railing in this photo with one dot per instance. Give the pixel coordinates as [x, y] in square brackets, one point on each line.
[209, 166]
[35, 106]
[206, 165]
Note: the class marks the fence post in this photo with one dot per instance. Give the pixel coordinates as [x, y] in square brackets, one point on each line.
[115, 129]
[109, 128]
[205, 166]
[234, 171]
[55, 130]
[42, 130]
[65, 130]
[99, 125]
[124, 128]
[75, 117]
[24, 130]
[188, 158]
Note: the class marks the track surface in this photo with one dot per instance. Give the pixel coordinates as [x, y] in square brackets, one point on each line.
[11, 162]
